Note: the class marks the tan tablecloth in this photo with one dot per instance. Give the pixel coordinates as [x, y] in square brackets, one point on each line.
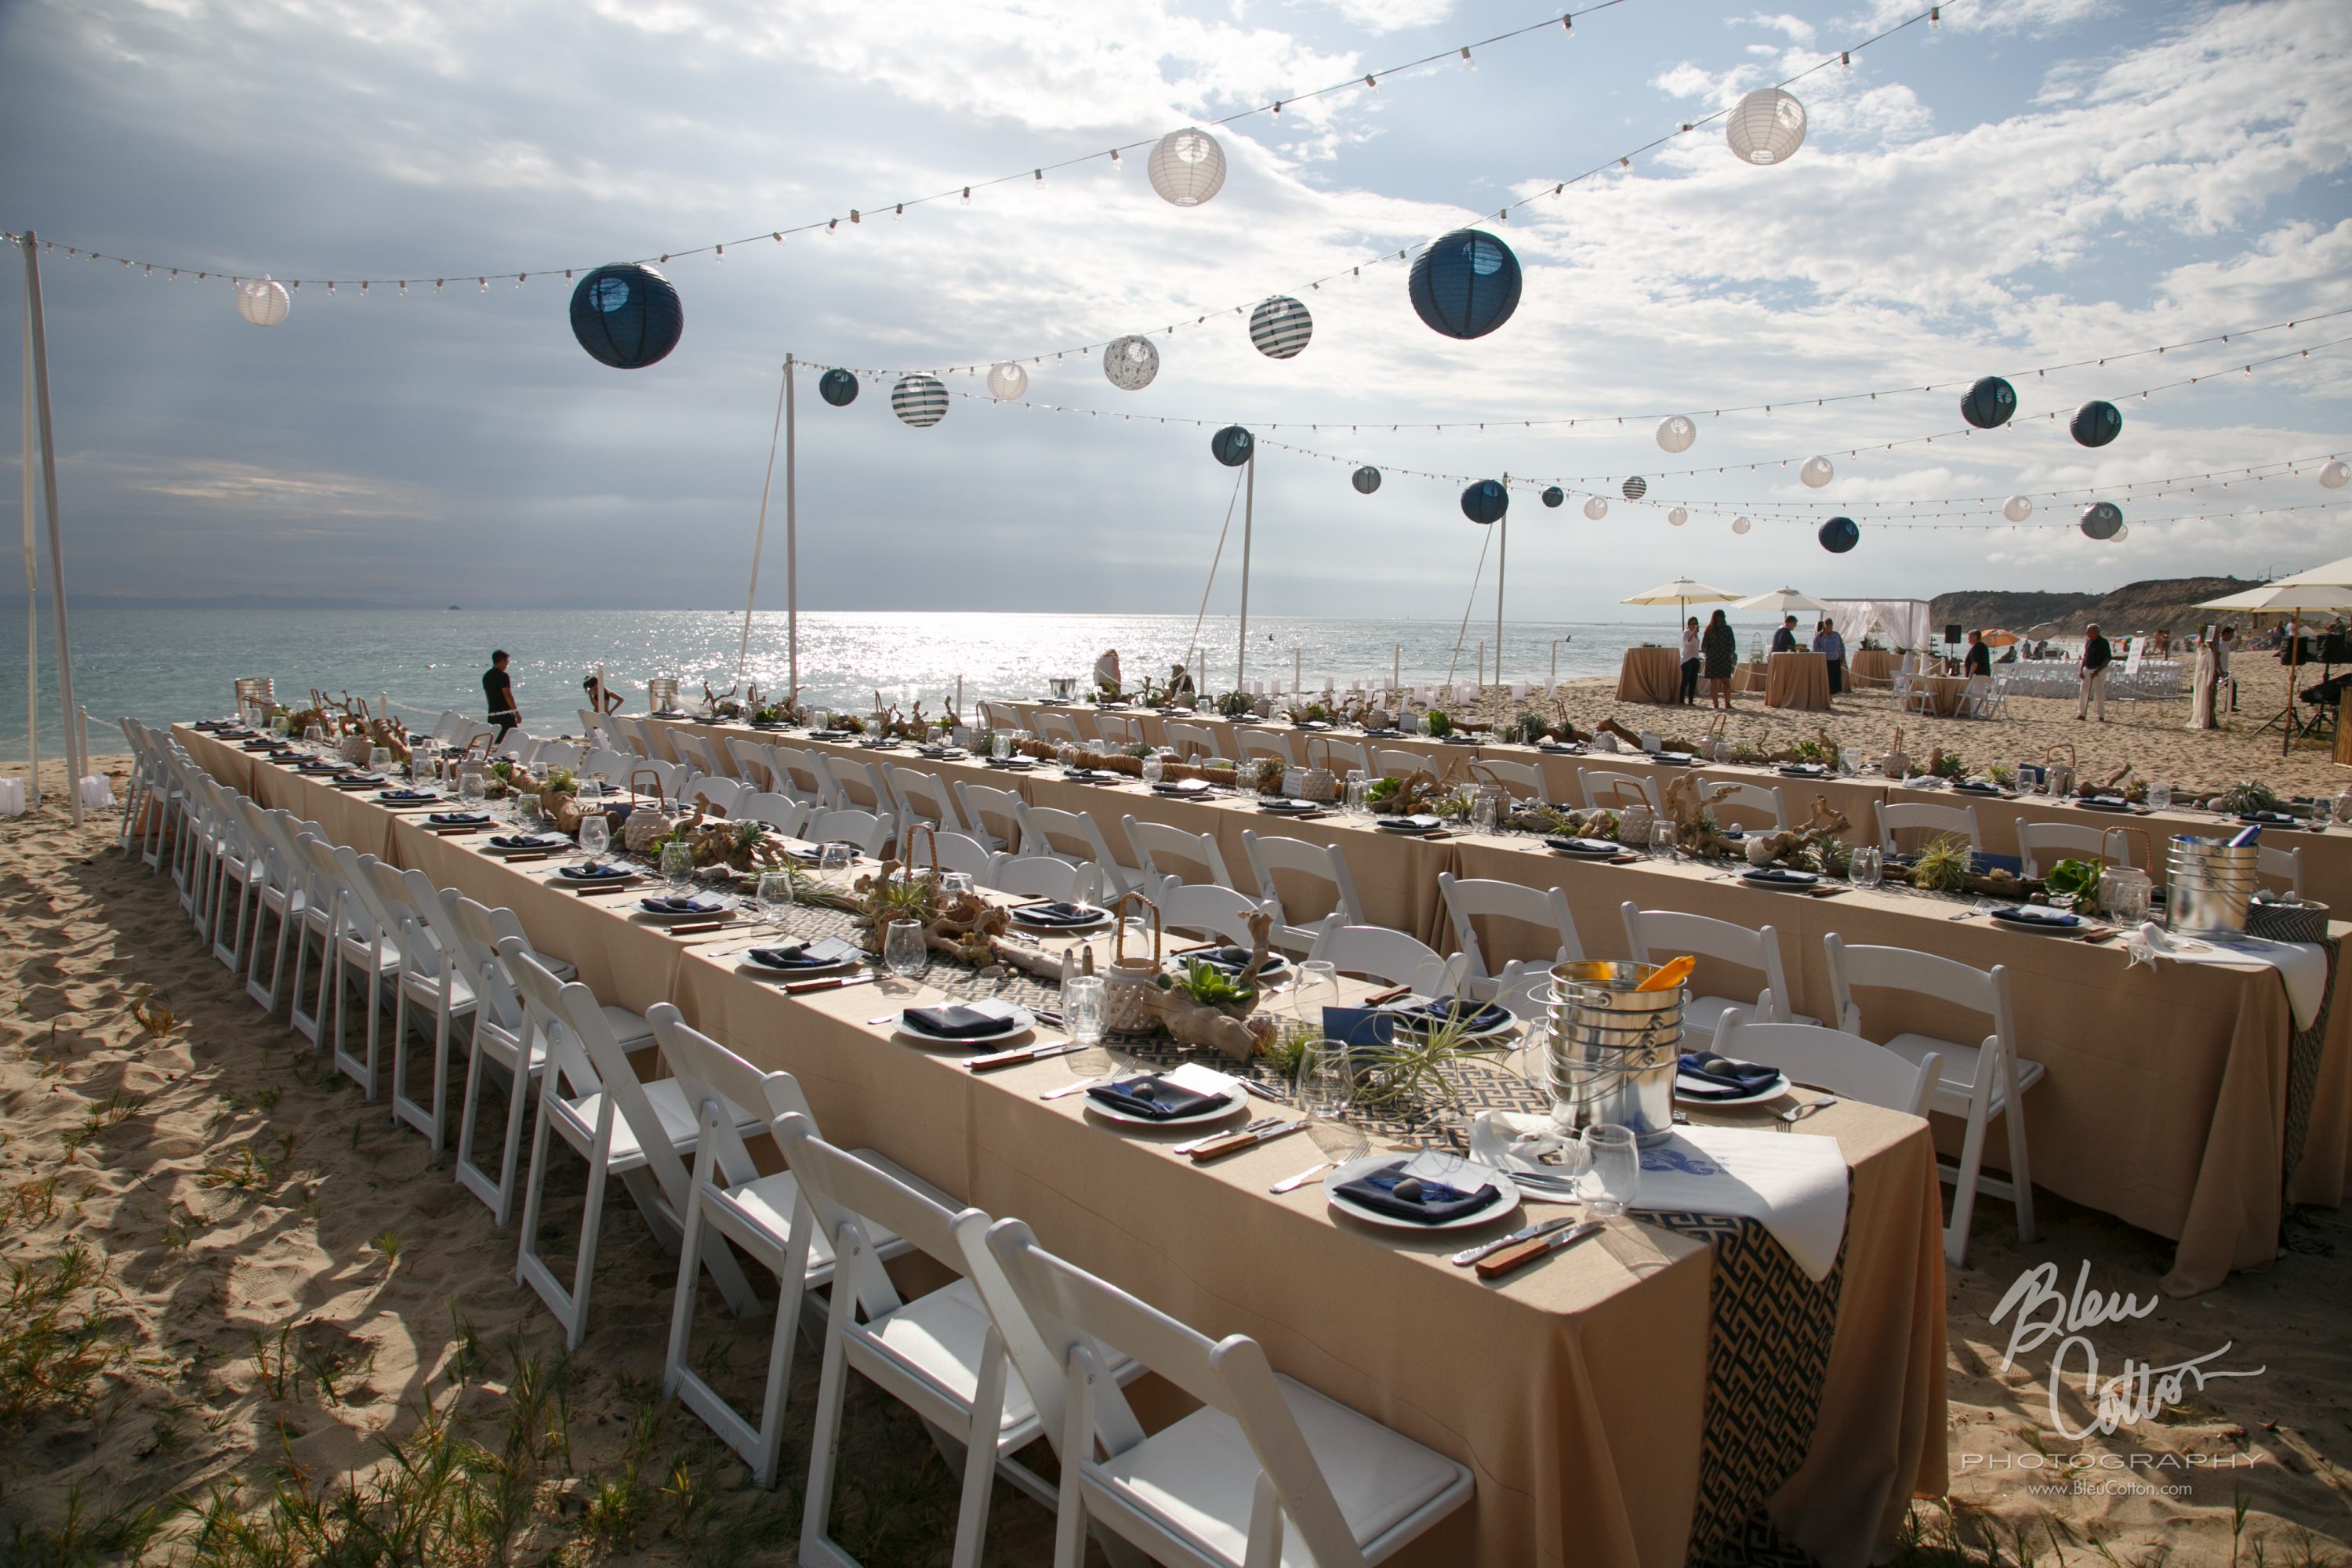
[1874, 665]
[1944, 692]
[1798, 680]
[1650, 675]
[1580, 1402]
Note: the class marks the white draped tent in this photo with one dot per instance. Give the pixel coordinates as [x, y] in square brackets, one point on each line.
[1904, 621]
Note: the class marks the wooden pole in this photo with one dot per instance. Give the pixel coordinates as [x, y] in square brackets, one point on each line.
[1501, 563]
[36, 340]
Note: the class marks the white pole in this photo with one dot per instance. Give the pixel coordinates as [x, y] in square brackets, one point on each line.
[1249, 510]
[1297, 678]
[1482, 667]
[38, 342]
[1396, 666]
[1502, 560]
[1553, 685]
[791, 532]
[31, 582]
[759, 539]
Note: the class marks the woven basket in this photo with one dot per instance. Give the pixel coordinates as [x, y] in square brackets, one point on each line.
[1131, 985]
[2305, 921]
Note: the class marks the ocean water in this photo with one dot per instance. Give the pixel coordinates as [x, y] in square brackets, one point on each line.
[160, 665]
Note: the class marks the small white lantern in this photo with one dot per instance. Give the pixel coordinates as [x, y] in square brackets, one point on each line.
[1635, 488]
[1130, 362]
[1188, 167]
[1596, 509]
[1738, 525]
[1676, 433]
[263, 300]
[1817, 472]
[2017, 508]
[1677, 516]
[1767, 127]
[1007, 380]
[2123, 531]
[2334, 475]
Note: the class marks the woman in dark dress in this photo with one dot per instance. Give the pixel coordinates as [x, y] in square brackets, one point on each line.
[1719, 647]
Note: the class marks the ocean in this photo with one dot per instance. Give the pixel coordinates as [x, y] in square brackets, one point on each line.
[161, 665]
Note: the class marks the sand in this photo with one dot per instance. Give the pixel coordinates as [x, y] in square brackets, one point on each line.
[283, 1284]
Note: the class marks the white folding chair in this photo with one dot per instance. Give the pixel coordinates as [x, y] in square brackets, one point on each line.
[857, 782]
[723, 796]
[322, 921]
[1255, 744]
[800, 775]
[991, 814]
[1469, 900]
[2041, 845]
[1076, 836]
[1055, 727]
[1041, 876]
[1205, 909]
[781, 812]
[1975, 1085]
[284, 898]
[1391, 957]
[1340, 756]
[963, 852]
[1666, 932]
[753, 762]
[1317, 863]
[1003, 717]
[365, 942]
[920, 796]
[671, 777]
[1846, 1065]
[503, 1041]
[1606, 790]
[848, 824]
[610, 766]
[433, 975]
[1156, 844]
[2283, 866]
[1521, 780]
[1118, 731]
[1896, 819]
[1190, 743]
[1396, 762]
[695, 752]
[1723, 796]
[243, 863]
[1266, 1471]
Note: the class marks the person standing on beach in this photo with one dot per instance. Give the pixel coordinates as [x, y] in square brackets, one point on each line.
[2091, 674]
[1979, 657]
[2222, 649]
[602, 698]
[1692, 663]
[1828, 642]
[1785, 639]
[499, 692]
[1720, 649]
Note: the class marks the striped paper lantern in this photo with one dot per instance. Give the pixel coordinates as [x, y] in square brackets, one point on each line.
[1280, 327]
[1635, 488]
[1130, 362]
[1366, 479]
[837, 388]
[920, 400]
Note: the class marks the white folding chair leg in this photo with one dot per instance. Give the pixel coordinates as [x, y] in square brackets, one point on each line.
[569, 1303]
[522, 1079]
[761, 1447]
[426, 1117]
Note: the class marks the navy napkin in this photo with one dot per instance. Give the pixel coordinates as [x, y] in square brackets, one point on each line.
[689, 905]
[823, 954]
[1153, 1097]
[1057, 914]
[1434, 1204]
[1419, 822]
[1726, 1079]
[594, 871]
[402, 796]
[1452, 1009]
[457, 818]
[1234, 959]
[957, 1022]
[526, 841]
[1359, 1026]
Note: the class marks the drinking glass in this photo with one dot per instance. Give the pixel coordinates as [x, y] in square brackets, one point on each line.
[773, 897]
[1616, 1176]
[1317, 987]
[1867, 868]
[379, 759]
[1000, 745]
[525, 808]
[677, 865]
[471, 791]
[835, 858]
[954, 883]
[595, 837]
[904, 949]
[1324, 1091]
[1154, 769]
[2159, 794]
[314, 737]
[1662, 836]
[1357, 801]
[1851, 758]
[1484, 813]
[1082, 1009]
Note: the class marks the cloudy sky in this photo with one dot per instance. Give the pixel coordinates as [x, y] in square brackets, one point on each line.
[2026, 183]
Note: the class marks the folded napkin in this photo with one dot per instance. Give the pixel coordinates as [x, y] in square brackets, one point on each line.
[527, 840]
[1420, 821]
[1703, 1075]
[1057, 914]
[822, 955]
[1164, 1096]
[2271, 818]
[1402, 1192]
[962, 1021]
[2037, 915]
[401, 796]
[689, 905]
[2302, 965]
[1453, 1010]
[1778, 873]
[1585, 845]
[362, 778]
[1234, 959]
[457, 818]
[594, 871]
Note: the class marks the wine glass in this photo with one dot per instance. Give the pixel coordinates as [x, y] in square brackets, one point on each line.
[1317, 987]
[904, 949]
[595, 838]
[1616, 1177]
[772, 897]
[677, 865]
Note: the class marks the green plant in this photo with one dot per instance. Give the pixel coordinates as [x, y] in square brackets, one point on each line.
[1437, 724]
[1211, 986]
[245, 1173]
[1813, 750]
[2003, 774]
[84, 1538]
[1413, 1065]
[1530, 728]
[1942, 866]
[387, 1242]
[560, 781]
[154, 1012]
[1948, 765]
[119, 1105]
[2080, 878]
[53, 1352]
[2248, 795]
[31, 1201]
[1236, 705]
[1385, 788]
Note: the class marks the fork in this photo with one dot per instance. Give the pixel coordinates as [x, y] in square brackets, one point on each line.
[1796, 1113]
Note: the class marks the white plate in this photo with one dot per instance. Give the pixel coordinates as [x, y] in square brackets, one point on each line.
[1779, 1088]
[1021, 1021]
[1452, 1169]
[799, 970]
[2044, 928]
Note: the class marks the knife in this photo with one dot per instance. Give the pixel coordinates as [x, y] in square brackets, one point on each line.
[1470, 1255]
[1382, 998]
[690, 928]
[1260, 1125]
[1289, 1184]
[833, 982]
[1252, 1086]
[1503, 1262]
[1217, 1148]
[1024, 1054]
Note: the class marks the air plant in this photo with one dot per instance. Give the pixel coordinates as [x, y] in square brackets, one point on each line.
[1414, 1064]
[1437, 724]
[1942, 866]
[2247, 795]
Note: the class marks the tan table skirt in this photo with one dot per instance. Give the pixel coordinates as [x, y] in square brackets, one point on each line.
[1798, 681]
[1650, 675]
[1872, 666]
[1944, 692]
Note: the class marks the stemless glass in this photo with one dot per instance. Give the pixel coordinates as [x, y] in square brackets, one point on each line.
[772, 897]
[835, 858]
[953, 884]
[1866, 868]
[314, 737]
[471, 791]
[1323, 1090]
[1616, 1178]
[2159, 794]
[525, 808]
[379, 759]
[677, 865]
[1000, 745]
[1357, 801]
[1851, 757]
[1484, 813]
[595, 837]
[1662, 836]
[904, 949]
[1317, 987]
[1082, 1009]
[1154, 769]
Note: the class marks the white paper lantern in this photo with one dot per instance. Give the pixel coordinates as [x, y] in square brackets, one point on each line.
[1677, 516]
[263, 300]
[1635, 488]
[1596, 509]
[1767, 127]
[2017, 508]
[1007, 380]
[2334, 475]
[1738, 525]
[1676, 433]
[920, 400]
[2123, 531]
[1130, 362]
[1817, 472]
[1280, 327]
[1188, 167]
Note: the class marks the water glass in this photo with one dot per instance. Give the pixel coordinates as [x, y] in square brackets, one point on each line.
[1484, 813]
[954, 884]
[835, 858]
[314, 737]
[1867, 868]
[1154, 769]
[1357, 801]
[1849, 757]
[1662, 836]
[1616, 1178]
[678, 864]
[1082, 1009]
[904, 949]
[773, 897]
[2159, 794]
[471, 789]
[1317, 987]
[379, 758]
[1324, 1090]
[1000, 745]
[595, 836]
[526, 810]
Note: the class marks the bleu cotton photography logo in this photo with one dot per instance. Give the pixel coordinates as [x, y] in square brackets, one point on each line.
[2039, 1314]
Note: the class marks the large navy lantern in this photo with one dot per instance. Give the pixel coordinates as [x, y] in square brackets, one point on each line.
[1486, 502]
[2102, 519]
[1231, 445]
[1553, 495]
[1990, 402]
[2096, 423]
[1366, 479]
[627, 315]
[1465, 284]
[1838, 535]
[837, 388]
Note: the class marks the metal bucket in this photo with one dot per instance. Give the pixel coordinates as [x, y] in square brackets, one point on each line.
[2207, 884]
[1612, 1051]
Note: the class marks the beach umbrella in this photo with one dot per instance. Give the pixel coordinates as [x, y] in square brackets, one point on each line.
[2000, 636]
[2335, 575]
[2292, 599]
[1681, 594]
[1786, 602]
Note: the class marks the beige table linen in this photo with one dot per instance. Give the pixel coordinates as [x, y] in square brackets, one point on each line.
[1944, 692]
[1872, 666]
[347, 817]
[1650, 675]
[1799, 681]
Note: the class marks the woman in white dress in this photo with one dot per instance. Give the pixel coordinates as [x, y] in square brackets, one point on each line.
[2201, 707]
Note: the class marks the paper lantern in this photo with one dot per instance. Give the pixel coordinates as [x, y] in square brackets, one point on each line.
[1677, 516]
[1817, 472]
[2334, 475]
[1486, 502]
[1231, 445]
[1768, 126]
[263, 300]
[627, 315]
[920, 400]
[2102, 518]
[1553, 495]
[2123, 531]
[1675, 433]
[1465, 284]
[2096, 423]
[1366, 479]
[1280, 327]
[1635, 488]
[1130, 362]
[1839, 534]
[1007, 381]
[1738, 525]
[1990, 402]
[1188, 167]
[1596, 509]
[2017, 508]
[837, 388]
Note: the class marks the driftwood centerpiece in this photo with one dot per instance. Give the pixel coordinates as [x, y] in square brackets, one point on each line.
[1207, 1008]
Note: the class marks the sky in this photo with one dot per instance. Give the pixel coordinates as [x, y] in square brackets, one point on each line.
[2022, 185]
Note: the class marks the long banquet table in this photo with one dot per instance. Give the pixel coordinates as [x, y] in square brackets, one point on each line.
[2192, 1107]
[1649, 1400]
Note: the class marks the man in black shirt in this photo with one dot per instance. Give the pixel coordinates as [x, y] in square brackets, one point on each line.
[1785, 639]
[1979, 657]
[499, 692]
[2092, 674]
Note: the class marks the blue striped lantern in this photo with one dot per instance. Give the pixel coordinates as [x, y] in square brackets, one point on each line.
[1366, 479]
[1280, 327]
[1486, 502]
[920, 400]
[837, 388]
[1465, 284]
[1231, 445]
[1839, 534]
[627, 315]
[1635, 488]
[1990, 402]
[2096, 423]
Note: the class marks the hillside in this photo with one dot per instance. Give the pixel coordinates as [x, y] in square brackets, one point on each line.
[2165, 603]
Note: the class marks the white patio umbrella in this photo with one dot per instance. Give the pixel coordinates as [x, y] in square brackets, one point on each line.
[1786, 602]
[2290, 598]
[2335, 575]
[1681, 594]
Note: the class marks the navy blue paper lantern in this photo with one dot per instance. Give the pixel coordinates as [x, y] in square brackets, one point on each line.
[627, 315]
[2101, 519]
[2096, 423]
[837, 388]
[1486, 502]
[1990, 402]
[1553, 495]
[1465, 284]
[1366, 479]
[1231, 445]
[1838, 535]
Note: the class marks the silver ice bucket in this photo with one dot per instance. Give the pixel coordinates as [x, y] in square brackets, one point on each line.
[2207, 884]
[1611, 1056]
